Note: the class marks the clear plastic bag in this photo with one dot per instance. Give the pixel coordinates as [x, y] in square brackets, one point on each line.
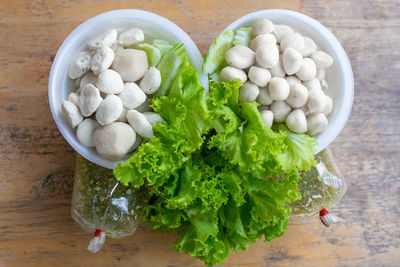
[321, 188]
[103, 205]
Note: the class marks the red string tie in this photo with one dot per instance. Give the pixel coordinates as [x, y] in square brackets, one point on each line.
[97, 232]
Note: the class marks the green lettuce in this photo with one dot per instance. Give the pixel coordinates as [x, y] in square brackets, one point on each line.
[300, 150]
[162, 45]
[216, 173]
[152, 52]
[216, 208]
[242, 36]
[169, 66]
[250, 144]
[215, 57]
[186, 120]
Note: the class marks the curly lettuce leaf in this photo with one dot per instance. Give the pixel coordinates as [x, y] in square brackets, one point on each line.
[300, 150]
[153, 160]
[224, 94]
[186, 98]
[214, 77]
[253, 146]
[267, 198]
[186, 120]
[242, 136]
[152, 52]
[216, 173]
[230, 217]
[163, 45]
[216, 208]
[242, 36]
[169, 66]
[215, 57]
[161, 217]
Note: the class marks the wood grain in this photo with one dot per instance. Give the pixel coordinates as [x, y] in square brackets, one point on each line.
[37, 165]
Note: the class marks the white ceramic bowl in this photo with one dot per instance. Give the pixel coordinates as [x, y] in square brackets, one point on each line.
[60, 85]
[339, 76]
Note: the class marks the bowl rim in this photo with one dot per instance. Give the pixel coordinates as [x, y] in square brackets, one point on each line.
[345, 69]
[192, 51]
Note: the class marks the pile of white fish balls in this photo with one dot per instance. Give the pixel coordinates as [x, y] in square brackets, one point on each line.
[284, 72]
[109, 109]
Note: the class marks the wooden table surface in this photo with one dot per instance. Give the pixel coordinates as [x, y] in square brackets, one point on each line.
[37, 164]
